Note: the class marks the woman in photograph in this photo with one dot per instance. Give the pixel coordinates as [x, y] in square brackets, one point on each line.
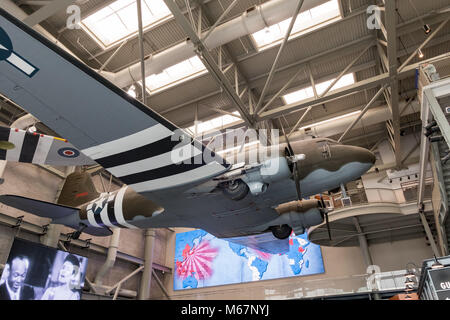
[65, 289]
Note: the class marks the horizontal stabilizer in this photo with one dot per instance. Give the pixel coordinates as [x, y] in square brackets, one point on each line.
[53, 211]
[23, 146]
[264, 242]
[98, 232]
[37, 207]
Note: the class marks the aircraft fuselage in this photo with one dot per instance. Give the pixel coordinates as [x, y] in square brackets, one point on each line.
[326, 165]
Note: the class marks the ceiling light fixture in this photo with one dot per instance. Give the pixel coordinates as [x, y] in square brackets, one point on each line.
[421, 55]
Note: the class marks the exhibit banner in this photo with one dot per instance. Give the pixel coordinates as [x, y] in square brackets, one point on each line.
[441, 282]
[37, 272]
[202, 260]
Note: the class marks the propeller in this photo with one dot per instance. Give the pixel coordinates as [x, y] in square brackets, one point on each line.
[290, 155]
[327, 222]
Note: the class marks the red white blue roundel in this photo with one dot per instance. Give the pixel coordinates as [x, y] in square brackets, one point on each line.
[68, 152]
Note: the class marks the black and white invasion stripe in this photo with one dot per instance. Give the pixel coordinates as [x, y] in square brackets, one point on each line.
[28, 147]
[151, 160]
[108, 211]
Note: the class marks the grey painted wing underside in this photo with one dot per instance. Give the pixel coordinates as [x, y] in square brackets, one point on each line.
[97, 117]
[101, 120]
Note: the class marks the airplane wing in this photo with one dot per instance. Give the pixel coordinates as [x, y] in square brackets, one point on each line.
[135, 144]
[24, 146]
[127, 138]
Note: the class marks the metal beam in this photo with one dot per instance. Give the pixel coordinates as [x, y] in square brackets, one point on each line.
[161, 285]
[346, 69]
[363, 112]
[141, 50]
[219, 20]
[424, 159]
[351, 64]
[391, 29]
[280, 50]
[34, 3]
[112, 56]
[358, 86]
[342, 51]
[46, 12]
[118, 284]
[430, 37]
[299, 121]
[224, 49]
[287, 84]
[210, 63]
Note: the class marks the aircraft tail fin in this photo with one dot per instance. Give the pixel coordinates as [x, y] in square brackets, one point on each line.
[40, 208]
[77, 190]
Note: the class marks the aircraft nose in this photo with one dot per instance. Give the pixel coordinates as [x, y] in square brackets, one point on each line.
[346, 153]
[365, 156]
[356, 160]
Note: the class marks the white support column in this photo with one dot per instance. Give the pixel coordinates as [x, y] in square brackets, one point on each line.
[110, 257]
[146, 280]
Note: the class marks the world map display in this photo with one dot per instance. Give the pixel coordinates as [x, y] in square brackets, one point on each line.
[202, 260]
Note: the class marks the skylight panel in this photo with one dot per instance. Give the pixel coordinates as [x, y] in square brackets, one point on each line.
[308, 92]
[306, 21]
[118, 21]
[176, 74]
[215, 123]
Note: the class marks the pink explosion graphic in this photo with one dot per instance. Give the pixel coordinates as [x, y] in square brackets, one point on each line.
[197, 261]
[263, 255]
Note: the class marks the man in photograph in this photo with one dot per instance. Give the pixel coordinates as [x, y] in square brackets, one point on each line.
[14, 287]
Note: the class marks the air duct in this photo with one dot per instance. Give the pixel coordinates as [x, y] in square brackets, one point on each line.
[373, 116]
[252, 20]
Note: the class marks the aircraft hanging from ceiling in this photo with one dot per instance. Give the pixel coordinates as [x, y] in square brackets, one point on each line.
[247, 203]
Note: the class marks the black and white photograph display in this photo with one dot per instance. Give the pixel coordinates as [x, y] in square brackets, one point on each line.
[37, 272]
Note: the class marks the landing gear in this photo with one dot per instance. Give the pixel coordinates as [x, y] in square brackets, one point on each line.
[281, 232]
[235, 190]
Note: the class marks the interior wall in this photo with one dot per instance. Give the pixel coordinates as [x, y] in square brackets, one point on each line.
[386, 186]
[345, 271]
[34, 182]
[391, 256]
[28, 180]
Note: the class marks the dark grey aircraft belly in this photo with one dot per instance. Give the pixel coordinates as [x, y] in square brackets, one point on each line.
[218, 214]
[223, 217]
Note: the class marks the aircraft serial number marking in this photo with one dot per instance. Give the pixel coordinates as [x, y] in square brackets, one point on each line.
[233, 309]
[247, 309]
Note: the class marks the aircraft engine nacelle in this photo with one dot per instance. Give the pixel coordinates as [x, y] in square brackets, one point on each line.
[117, 209]
[270, 171]
[254, 178]
[296, 216]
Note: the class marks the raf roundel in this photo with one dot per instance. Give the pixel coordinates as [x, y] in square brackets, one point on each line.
[68, 152]
[6, 48]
